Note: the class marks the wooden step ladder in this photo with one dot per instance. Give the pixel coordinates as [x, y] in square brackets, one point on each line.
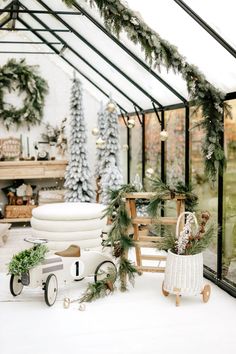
[141, 237]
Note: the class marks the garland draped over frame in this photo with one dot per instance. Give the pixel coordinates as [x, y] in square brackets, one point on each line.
[159, 52]
[18, 75]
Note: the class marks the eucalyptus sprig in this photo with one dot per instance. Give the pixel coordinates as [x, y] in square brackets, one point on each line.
[23, 261]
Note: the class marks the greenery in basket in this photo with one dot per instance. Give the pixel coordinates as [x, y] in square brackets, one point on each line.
[163, 190]
[189, 241]
[25, 260]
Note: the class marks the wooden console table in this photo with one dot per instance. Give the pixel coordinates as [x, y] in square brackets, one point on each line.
[11, 170]
[32, 169]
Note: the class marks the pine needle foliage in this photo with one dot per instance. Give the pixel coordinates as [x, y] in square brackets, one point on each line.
[163, 191]
[118, 236]
[23, 261]
[98, 289]
[117, 17]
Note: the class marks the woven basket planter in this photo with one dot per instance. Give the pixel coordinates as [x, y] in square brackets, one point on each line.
[183, 274]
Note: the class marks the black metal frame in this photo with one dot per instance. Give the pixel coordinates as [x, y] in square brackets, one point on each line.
[16, 7]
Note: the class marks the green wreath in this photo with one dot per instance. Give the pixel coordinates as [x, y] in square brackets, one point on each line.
[18, 75]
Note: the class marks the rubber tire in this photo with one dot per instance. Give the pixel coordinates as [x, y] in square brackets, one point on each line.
[99, 266]
[47, 299]
[13, 279]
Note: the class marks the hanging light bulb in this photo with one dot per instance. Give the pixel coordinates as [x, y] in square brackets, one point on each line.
[125, 147]
[110, 107]
[95, 131]
[100, 143]
[131, 123]
[149, 172]
[164, 135]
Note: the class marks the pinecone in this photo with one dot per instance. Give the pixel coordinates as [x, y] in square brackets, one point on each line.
[117, 250]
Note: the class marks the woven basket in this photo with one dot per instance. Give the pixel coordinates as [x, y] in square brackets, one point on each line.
[183, 274]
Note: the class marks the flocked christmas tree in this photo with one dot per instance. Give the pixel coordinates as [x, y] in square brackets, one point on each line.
[78, 176]
[112, 178]
[101, 124]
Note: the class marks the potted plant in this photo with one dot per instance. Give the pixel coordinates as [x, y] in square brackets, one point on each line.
[184, 264]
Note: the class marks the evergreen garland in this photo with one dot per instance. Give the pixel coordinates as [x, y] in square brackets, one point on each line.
[25, 260]
[18, 75]
[159, 52]
[118, 236]
[163, 191]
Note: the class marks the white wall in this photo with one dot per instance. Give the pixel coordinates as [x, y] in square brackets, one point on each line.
[57, 103]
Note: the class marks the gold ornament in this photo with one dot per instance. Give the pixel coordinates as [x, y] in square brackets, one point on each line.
[95, 131]
[110, 107]
[164, 135]
[149, 172]
[100, 143]
[82, 307]
[131, 123]
[66, 303]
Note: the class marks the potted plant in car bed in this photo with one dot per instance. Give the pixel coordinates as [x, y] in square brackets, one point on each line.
[184, 264]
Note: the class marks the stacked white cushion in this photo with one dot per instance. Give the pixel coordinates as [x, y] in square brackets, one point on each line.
[66, 223]
[69, 211]
[62, 226]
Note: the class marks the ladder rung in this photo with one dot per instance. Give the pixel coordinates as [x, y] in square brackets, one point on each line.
[150, 238]
[146, 244]
[150, 269]
[150, 257]
[164, 220]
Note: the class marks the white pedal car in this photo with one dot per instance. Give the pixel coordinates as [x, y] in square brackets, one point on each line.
[62, 268]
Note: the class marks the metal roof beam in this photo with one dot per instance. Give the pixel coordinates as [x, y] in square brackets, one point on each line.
[206, 27]
[66, 60]
[35, 29]
[25, 42]
[65, 45]
[43, 12]
[23, 52]
[78, 35]
[129, 52]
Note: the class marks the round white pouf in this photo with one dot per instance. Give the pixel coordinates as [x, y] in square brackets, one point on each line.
[63, 224]
[69, 211]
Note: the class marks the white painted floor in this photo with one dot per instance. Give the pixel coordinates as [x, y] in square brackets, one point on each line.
[140, 321]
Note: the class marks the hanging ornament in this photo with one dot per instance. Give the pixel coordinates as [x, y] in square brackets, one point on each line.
[110, 107]
[131, 123]
[95, 131]
[66, 302]
[149, 172]
[82, 307]
[100, 143]
[125, 147]
[164, 135]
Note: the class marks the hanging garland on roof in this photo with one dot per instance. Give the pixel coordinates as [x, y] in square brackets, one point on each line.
[18, 75]
[159, 52]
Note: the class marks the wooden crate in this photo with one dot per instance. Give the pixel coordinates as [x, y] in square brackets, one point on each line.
[18, 211]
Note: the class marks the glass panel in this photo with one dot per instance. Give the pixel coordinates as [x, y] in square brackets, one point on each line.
[229, 214]
[175, 152]
[152, 148]
[136, 150]
[206, 193]
[124, 148]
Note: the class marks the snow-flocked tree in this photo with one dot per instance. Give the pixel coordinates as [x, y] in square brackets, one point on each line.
[101, 124]
[78, 176]
[111, 175]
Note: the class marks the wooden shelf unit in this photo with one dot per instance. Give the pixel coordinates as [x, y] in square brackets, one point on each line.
[32, 169]
[141, 237]
[12, 170]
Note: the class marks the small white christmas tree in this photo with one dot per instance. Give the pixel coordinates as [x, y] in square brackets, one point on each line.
[111, 175]
[78, 176]
[101, 124]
